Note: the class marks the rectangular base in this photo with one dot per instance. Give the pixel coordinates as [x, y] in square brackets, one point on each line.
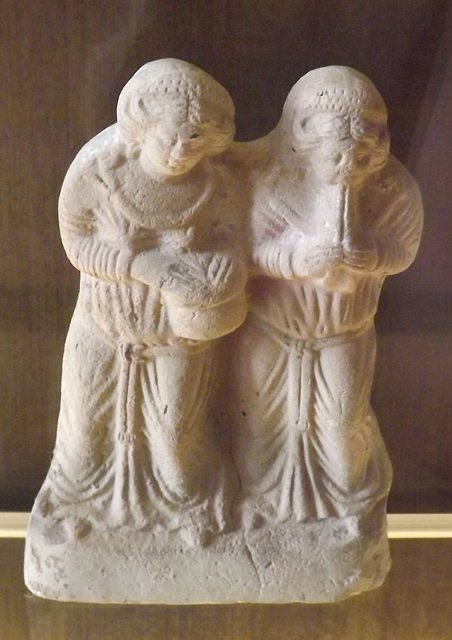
[315, 561]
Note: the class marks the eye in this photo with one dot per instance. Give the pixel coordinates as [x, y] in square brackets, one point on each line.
[194, 136]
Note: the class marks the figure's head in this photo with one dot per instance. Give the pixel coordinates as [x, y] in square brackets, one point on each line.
[334, 121]
[177, 114]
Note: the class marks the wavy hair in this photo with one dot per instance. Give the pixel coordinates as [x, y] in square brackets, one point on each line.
[341, 102]
[173, 86]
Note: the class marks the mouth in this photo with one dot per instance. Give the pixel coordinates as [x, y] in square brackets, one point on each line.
[181, 162]
[177, 165]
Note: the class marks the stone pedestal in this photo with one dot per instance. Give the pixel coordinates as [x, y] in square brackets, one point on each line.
[317, 561]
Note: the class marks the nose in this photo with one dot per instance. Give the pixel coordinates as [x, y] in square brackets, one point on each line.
[178, 149]
[183, 142]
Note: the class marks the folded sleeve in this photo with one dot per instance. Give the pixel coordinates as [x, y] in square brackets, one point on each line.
[94, 234]
[398, 224]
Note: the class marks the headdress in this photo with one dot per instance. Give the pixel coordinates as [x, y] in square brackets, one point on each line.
[162, 83]
[337, 89]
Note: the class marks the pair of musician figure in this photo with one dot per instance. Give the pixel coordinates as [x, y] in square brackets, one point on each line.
[218, 367]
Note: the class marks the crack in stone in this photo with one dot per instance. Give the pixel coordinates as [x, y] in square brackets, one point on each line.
[253, 563]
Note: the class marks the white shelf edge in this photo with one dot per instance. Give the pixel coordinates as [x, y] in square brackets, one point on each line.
[419, 525]
[400, 525]
[13, 524]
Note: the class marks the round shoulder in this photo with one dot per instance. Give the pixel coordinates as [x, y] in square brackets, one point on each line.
[395, 184]
[90, 168]
[398, 176]
[104, 147]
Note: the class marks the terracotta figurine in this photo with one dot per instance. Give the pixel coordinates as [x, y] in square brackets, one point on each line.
[216, 442]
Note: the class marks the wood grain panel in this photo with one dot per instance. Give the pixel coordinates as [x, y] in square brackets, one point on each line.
[63, 65]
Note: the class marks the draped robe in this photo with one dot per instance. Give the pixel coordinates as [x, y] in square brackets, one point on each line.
[139, 439]
[307, 444]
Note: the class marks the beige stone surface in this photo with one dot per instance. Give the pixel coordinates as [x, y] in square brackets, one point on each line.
[316, 561]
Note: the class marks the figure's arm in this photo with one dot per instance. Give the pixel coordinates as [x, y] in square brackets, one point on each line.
[93, 235]
[279, 250]
[201, 278]
[391, 241]
[97, 236]
[397, 241]
[273, 257]
[292, 256]
[98, 241]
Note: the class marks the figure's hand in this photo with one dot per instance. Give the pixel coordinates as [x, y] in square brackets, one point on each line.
[204, 279]
[192, 278]
[187, 279]
[150, 267]
[364, 258]
[316, 261]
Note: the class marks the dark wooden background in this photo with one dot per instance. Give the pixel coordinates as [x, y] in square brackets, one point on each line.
[63, 63]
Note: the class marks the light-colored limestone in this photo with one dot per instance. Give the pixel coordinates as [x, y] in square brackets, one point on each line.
[203, 454]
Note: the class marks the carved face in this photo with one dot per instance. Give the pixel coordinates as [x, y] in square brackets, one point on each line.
[175, 145]
[342, 148]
